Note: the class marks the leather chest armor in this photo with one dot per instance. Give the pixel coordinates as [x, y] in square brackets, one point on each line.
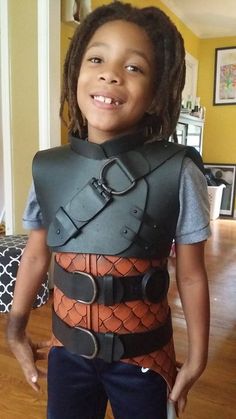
[88, 197]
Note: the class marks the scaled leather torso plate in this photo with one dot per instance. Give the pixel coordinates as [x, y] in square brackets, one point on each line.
[132, 317]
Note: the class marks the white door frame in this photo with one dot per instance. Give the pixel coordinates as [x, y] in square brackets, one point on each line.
[48, 90]
[49, 34]
[5, 116]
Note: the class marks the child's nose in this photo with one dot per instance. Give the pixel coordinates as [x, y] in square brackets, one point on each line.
[110, 77]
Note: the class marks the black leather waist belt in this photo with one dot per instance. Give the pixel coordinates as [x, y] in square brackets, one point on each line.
[110, 346]
[110, 290]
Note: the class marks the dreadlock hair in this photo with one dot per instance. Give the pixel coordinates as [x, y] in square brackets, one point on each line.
[169, 56]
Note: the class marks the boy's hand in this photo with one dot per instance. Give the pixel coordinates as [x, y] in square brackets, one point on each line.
[31, 273]
[27, 354]
[185, 379]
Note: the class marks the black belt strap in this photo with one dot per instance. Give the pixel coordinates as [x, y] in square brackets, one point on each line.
[109, 290]
[110, 346]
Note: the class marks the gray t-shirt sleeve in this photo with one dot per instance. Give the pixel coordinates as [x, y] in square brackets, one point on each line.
[194, 217]
[32, 216]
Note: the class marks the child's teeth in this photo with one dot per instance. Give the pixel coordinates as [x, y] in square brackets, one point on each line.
[106, 100]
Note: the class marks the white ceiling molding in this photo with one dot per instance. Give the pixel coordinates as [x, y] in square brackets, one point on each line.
[207, 19]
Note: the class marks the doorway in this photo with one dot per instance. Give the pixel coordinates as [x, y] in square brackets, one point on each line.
[47, 126]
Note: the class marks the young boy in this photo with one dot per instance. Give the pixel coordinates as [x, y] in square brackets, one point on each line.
[109, 205]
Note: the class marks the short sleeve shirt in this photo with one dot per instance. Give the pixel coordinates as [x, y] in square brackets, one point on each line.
[193, 221]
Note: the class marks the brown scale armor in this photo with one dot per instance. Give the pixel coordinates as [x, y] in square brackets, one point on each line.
[125, 317]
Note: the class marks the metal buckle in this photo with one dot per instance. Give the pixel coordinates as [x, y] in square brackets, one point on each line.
[94, 340]
[155, 284]
[94, 285]
[103, 181]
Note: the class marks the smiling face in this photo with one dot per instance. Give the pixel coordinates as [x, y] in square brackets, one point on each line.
[116, 80]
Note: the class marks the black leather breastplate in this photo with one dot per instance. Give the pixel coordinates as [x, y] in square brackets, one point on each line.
[100, 201]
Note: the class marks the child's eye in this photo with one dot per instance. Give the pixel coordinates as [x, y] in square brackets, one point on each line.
[134, 68]
[95, 60]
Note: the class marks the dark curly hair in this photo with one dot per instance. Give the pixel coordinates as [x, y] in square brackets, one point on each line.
[169, 61]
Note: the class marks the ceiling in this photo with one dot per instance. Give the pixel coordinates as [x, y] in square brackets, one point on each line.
[206, 18]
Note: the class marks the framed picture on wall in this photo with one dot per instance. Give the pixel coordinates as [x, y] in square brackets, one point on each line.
[225, 76]
[223, 174]
[190, 87]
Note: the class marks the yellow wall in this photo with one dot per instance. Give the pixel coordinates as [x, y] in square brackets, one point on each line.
[219, 145]
[67, 31]
[24, 99]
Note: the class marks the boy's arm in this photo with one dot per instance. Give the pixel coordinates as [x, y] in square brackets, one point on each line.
[31, 273]
[193, 289]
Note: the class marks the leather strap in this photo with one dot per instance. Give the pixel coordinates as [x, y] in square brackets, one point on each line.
[109, 290]
[88, 202]
[110, 346]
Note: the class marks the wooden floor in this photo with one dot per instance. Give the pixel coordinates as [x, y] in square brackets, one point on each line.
[213, 397]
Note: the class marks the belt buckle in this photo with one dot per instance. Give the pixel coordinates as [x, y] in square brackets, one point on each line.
[94, 285]
[94, 342]
[152, 289]
[103, 182]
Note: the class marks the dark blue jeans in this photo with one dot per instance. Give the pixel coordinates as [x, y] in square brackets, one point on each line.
[79, 388]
